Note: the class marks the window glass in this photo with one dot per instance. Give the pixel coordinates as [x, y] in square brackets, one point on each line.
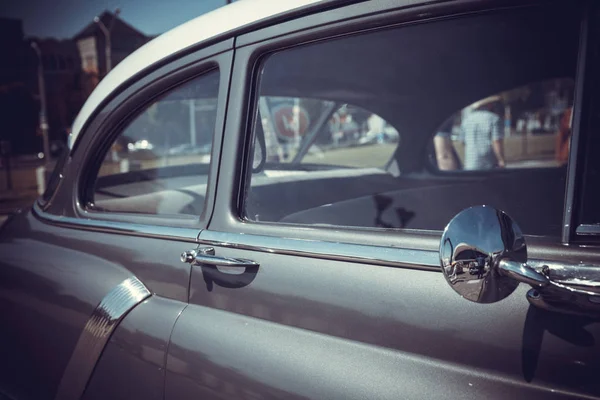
[159, 163]
[405, 127]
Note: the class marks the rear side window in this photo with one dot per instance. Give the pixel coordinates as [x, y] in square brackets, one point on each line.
[159, 163]
[445, 115]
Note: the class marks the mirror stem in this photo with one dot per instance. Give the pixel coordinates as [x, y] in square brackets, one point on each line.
[522, 273]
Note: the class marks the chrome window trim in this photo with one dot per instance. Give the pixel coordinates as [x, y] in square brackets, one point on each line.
[155, 92]
[399, 257]
[127, 228]
[356, 253]
[101, 324]
[569, 222]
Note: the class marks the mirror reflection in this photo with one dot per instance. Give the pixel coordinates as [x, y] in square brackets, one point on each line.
[472, 245]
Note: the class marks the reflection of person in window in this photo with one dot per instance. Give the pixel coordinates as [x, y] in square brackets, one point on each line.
[483, 137]
[445, 154]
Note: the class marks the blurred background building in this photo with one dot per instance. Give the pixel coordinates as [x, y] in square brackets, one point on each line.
[62, 50]
[71, 70]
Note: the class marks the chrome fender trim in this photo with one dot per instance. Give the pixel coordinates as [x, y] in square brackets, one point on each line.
[103, 321]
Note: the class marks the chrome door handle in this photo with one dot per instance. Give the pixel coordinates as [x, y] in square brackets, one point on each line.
[206, 255]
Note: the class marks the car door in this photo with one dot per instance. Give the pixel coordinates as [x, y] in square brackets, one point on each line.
[322, 280]
[91, 278]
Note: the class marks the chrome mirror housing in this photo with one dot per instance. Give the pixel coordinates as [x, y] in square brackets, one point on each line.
[483, 255]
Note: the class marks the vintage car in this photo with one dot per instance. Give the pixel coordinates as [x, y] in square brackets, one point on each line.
[287, 267]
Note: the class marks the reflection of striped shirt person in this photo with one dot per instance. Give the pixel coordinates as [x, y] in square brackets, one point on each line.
[479, 129]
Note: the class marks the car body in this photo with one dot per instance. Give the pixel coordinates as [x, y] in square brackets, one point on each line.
[274, 270]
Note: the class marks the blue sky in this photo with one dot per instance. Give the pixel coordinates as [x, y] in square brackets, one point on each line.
[64, 18]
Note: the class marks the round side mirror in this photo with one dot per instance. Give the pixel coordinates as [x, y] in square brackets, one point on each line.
[471, 250]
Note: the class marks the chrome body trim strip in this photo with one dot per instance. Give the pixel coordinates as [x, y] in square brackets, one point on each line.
[584, 277]
[389, 256]
[157, 231]
[359, 253]
[103, 321]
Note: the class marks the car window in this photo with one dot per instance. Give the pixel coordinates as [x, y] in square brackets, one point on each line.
[513, 71]
[525, 127]
[159, 162]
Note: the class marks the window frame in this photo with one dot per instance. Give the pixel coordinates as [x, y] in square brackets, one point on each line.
[95, 163]
[252, 48]
[107, 123]
[575, 229]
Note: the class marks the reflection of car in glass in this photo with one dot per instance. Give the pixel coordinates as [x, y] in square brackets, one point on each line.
[474, 268]
[283, 265]
[143, 144]
[387, 135]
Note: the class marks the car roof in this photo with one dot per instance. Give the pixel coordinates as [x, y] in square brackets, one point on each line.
[210, 25]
